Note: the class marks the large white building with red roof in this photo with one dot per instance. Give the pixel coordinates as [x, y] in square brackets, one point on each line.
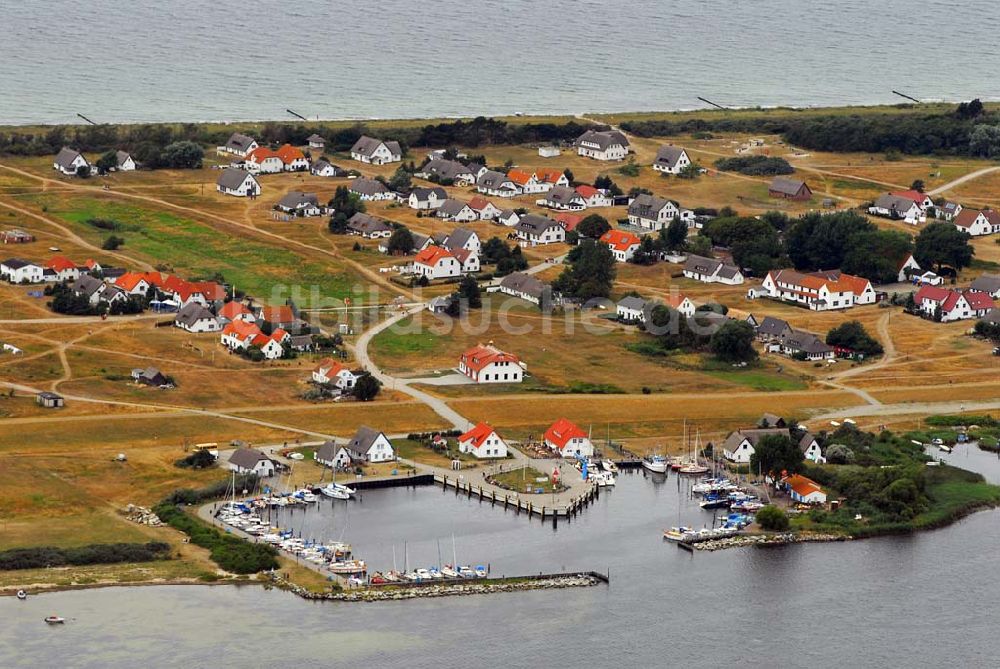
[488, 364]
[482, 441]
[566, 438]
[240, 336]
[819, 291]
[436, 262]
[952, 305]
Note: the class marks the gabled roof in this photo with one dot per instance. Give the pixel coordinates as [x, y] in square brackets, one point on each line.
[260, 154]
[535, 224]
[932, 293]
[367, 224]
[289, 154]
[563, 194]
[492, 179]
[66, 156]
[478, 357]
[17, 263]
[912, 195]
[459, 237]
[367, 146]
[280, 314]
[192, 313]
[239, 141]
[313, 138]
[645, 205]
[363, 440]
[432, 255]
[894, 202]
[786, 186]
[620, 240]
[232, 310]
[967, 217]
[603, 139]
[327, 452]
[246, 458]
[232, 178]
[520, 177]
[802, 486]
[986, 283]
[519, 282]
[297, 198]
[978, 300]
[632, 302]
[60, 263]
[562, 431]
[425, 193]
[669, 155]
[242, 330]
[478, 203]
[477, 435]
[329, 367]
[368, 187]
[88, 285]
[446, 169]
[452, 208]
[806, 442]
[121, 157]
[568, 221]
[800, 340]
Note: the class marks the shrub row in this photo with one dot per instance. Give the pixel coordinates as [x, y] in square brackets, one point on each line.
[49, 556]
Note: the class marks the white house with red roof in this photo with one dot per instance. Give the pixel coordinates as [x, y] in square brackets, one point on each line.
[622, 244]
[436, 262]
[680, 303]
[898, 206]
[804, 490]
[978, 222]
[334, 373]
[482, 441]
[819, 291]
[469, 260]
[485, 210]
[922, 200]
[566, 438]
[137, 283]
[953, 305]
[235, 311]
[64, 268]
[488, 364]
[594, 197]
[240, 336]
[528, 181]
[263, 160]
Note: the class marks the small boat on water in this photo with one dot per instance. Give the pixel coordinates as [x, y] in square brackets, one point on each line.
[348, 567]
[677, 533]
[609, 466]
[448, 572]
[656, 464]
[55, 620]
[330, 490]
[944, 448]
[714, 502]
[22, 595]
[693, 469]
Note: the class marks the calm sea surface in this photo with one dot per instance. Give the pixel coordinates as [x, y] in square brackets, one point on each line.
[135, 60]
[930, 600]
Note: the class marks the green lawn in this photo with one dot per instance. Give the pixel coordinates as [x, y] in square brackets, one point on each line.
[195, 249]
[398, 341]
[519, 479]
[757, 379]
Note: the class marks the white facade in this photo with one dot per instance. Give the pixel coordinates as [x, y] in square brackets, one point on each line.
[29, 273]
[380, 156]
[490, 447]
[440, 267]
[249, 186]
[200, 325]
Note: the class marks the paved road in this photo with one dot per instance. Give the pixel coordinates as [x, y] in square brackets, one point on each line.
[961, 180]
[439, 407]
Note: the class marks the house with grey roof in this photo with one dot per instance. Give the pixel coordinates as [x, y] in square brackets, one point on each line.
[151, 376]
[632, 309]
[671, 159]
[251, 461]
[789, 189]
[563, 197]
[948, 210]
[987, 283]
[369, 227]
[316, 142]
[496, 183]
[739, 445]
[427, 198]
[238, 144]
[370, 189]
[68, 161]
[711, 270]
[375, 151]
[805, 344]
[237, 182]
[897, 207]
[462, 238]
[508, 217]
[602, 145]
[810, 448]
[124, 162]
[772, 328]
[370, 445]
[447, 170]
[326, 454]
[194, 317]
[89, 287]
[324, 168]
[651, 212]
[525, 287]
[300, 203]
[536, 230]
[457, 210]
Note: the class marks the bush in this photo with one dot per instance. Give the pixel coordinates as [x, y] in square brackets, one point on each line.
[772, 518]
[112, 243]
[755, 165]
[229, 552]
[48, 556]
[200, 459]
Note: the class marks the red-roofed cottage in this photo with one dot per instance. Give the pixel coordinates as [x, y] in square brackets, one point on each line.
[622, 244]
[568, 439]
[436, 262]
[329, 371]
[483, 441]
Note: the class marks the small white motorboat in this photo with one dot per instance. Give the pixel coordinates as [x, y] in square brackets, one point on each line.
[609, 466]
[55, 620]
[656, 464]
[22, 595]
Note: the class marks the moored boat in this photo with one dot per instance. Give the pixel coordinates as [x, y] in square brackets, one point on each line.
[55, 620]
[22, 595]
[656, 464]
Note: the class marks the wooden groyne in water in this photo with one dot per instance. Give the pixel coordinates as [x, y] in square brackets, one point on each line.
[510, 500]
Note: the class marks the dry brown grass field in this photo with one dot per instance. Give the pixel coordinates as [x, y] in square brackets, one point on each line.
[58, 484]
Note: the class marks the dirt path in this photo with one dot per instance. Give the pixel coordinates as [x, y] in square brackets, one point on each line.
[961, 180]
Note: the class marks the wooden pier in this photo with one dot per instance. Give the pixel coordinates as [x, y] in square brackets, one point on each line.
[532, 505]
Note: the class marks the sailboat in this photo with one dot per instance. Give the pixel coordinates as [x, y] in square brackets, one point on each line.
[695, 469]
